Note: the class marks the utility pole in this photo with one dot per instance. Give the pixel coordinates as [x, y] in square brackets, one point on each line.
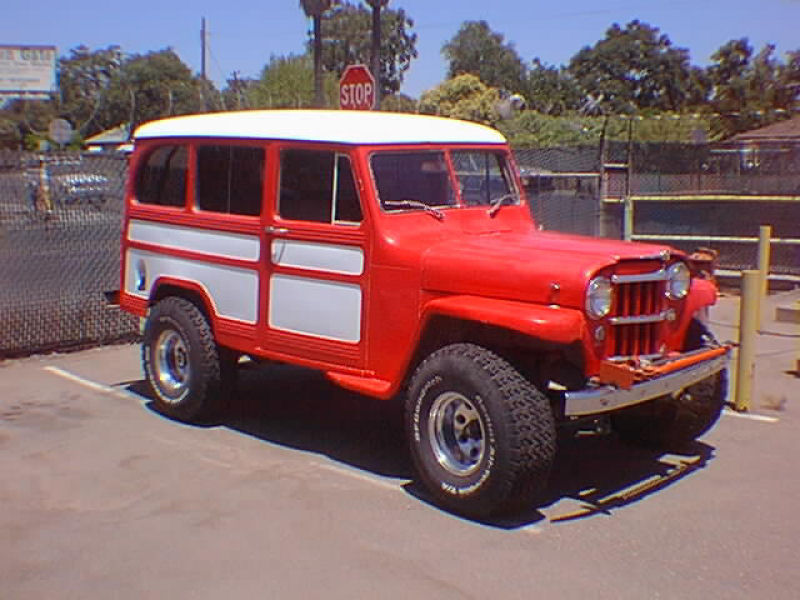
[375, 58]
[203, 62]
[203, 48]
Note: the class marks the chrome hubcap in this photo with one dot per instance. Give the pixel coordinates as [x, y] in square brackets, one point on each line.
[456, 434]
[171, 363]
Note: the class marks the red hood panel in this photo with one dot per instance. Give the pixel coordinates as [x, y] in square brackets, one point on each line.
[525, 266]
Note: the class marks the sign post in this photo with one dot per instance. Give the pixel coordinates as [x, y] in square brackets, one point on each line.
[357, 88]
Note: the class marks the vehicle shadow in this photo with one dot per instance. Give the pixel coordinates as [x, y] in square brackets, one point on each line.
[298, 408]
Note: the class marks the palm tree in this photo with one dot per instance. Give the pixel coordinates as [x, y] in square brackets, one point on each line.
[315, 9]
[375, 59]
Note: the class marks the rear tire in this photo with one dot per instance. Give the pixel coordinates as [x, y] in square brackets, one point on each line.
[482, 438]
[181, 361]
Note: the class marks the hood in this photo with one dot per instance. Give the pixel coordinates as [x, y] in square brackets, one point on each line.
[526, 267]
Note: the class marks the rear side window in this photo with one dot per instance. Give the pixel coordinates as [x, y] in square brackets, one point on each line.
[318, 185]
[162, 177]
[229, 179]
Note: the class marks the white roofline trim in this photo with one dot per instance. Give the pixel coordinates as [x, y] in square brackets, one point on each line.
[329, 126]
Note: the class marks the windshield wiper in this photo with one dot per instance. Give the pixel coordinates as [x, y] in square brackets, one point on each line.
[408, 203]
[494, 205]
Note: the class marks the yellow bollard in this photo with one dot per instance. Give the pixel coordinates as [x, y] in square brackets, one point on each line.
[748, 324]
[764, 240]
[797, 364]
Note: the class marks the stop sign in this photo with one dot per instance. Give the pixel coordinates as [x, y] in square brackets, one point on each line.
[357, 88]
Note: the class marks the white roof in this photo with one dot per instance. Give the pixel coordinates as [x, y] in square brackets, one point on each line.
[336, 126]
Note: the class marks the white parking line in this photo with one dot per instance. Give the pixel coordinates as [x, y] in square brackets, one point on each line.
[88, 383]
[385, 483]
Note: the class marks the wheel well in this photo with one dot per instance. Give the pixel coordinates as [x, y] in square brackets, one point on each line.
[196, 298]
[537, 359]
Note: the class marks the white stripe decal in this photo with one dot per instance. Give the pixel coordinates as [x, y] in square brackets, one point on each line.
[325, 309]
[329, 258]
[233, 291]
[217, 243]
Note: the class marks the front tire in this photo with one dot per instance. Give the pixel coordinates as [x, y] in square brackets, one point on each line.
[676, 420]
[181, 361]
[482, 437]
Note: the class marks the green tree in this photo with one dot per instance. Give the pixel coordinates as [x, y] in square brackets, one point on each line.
[551, 90]
[399, 103]
[634, 68]
[346, 41]
[10, 134]
[84, 78]
[25, 122]
[478, 50]
[751, 90]
[463, 97]
[288, 82]
[152, 86]
[236, 92]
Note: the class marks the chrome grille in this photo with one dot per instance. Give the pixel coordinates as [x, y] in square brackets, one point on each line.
[638, 311]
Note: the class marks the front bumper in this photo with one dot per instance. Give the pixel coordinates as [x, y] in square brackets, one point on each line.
[606, 398]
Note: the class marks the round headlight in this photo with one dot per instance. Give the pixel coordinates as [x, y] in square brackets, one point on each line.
[678, 281]
[598, 297]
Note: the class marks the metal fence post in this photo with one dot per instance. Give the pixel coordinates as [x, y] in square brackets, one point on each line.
[748, 323]
[627, 224]
[764, 238]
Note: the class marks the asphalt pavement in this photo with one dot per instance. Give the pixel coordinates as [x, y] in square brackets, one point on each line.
[306, 491]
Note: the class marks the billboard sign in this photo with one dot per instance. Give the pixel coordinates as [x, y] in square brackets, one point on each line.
[26, 70]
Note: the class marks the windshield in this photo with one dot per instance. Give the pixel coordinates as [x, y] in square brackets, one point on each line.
[409, 178]
[483, 178]
[422, 180]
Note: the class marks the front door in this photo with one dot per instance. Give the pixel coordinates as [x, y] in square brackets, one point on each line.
[317, 252]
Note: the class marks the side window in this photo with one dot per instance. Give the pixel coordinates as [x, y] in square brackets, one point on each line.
[317, 185]
[229, 179]
[162, 177]
[347, 207]
[483, 177]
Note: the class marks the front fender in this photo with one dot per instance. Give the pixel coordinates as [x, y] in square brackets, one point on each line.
[548, 323]
[703, 293]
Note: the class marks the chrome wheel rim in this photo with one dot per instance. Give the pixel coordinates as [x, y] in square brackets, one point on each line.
[171, 363]
[456, 433]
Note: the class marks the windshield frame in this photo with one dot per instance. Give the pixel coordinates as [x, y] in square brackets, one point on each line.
[505, 162]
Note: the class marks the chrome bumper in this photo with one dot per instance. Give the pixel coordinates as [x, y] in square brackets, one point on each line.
[607, 397]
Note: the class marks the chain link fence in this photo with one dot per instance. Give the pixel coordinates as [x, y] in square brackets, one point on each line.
[563, 187]
[61, 216]
[683, 195]
[60, 223]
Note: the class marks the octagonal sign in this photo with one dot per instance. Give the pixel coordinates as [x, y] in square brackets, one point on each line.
[357, 88]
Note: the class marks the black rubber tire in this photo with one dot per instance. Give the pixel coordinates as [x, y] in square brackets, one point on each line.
[519, 431]
[672, 422]
[201, 397]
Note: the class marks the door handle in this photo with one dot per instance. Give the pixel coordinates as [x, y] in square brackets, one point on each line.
[276, 230]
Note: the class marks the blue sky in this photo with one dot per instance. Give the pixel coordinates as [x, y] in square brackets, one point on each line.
[244, 33]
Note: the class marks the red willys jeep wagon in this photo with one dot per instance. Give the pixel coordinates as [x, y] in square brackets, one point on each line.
[396, 253]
